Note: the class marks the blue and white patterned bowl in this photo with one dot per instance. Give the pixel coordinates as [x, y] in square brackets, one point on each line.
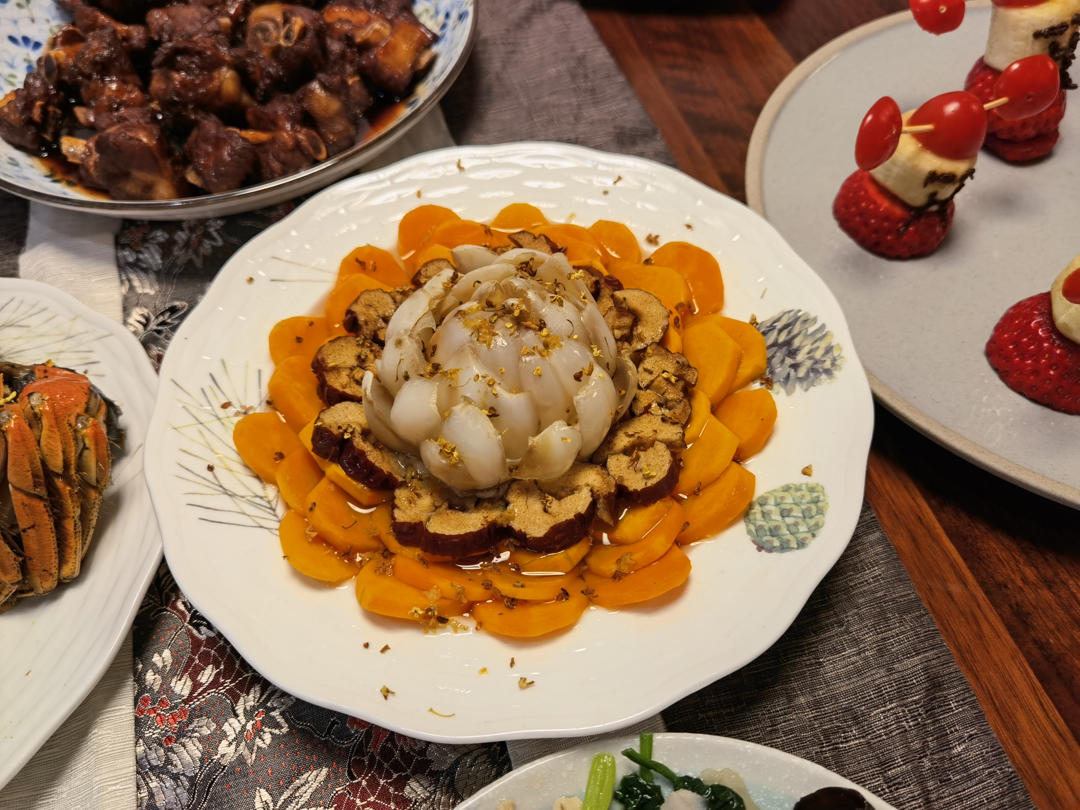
[28, 24]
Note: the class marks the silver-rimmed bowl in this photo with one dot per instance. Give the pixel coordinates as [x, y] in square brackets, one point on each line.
[28, 176]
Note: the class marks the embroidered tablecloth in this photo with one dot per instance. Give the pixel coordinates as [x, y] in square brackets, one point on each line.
[862, 682]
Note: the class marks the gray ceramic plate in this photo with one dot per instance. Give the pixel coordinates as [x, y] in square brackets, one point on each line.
[920, 326]
[26, 176]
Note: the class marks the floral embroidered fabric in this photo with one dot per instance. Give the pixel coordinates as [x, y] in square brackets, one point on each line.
[210, 732]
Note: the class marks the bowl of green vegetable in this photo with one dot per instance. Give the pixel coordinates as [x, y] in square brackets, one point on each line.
[674, 771]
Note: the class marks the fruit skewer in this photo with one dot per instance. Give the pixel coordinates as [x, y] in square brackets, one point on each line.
[899, 202]
[1018, 29]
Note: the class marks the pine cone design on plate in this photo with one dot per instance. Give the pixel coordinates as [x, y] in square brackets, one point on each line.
[787, 518]
[801, 350]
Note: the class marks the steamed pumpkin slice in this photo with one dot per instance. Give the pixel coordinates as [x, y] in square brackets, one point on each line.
[375, 263]
[579, 245]
[700, 270]
[525, 619]
[427, 254]
[754, 359]
[707, 457]
[750, 415]
[450, 581]
[297, 475]
[309, 554]
[417, 225]
[616, 241]
[714, 353]
[343, 524]
[663, 282]
[656, 579]
[301, 335]
[264, 440]
[293, 390]
[550, 562]
[517, 217]
[617, 560]
[636, 522]
[718, 505]
[379, 591]
[455, 233]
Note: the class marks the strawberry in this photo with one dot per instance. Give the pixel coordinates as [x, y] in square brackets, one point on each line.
[1021, 151]
[1020, 140]
[1033, 358]
[884, 224]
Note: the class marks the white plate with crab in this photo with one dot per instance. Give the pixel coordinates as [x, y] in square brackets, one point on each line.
[56, 647]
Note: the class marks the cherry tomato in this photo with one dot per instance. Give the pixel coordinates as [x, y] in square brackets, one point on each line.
[1031, 84]
[938, 16]
[879, 133]
[959, 122]
[1071, 288]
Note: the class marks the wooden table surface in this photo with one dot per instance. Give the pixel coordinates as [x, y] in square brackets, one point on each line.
[997, 567]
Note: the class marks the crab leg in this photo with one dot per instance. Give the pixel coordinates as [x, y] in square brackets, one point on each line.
[93, 466]
[30, 501]
[11, 575]
[56, 440]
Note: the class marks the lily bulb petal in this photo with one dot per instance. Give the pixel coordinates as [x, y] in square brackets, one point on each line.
[502, 371]
[415, 414]
[551, 453]
[469, 429]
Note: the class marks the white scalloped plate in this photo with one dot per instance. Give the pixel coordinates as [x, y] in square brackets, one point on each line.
[55, 648]
[775, 780]
[220, 525]
[922, 324]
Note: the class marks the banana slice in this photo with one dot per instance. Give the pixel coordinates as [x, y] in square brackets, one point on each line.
[1013, 30]
[915, 174]
[1066, 313]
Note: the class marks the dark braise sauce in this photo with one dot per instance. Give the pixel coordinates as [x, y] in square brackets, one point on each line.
[67, 174]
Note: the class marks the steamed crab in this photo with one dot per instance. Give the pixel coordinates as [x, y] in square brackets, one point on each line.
[55, 460]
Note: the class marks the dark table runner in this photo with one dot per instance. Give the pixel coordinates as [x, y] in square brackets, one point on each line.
[862, 682]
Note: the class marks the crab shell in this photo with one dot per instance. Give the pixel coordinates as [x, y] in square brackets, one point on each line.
[55, 461]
